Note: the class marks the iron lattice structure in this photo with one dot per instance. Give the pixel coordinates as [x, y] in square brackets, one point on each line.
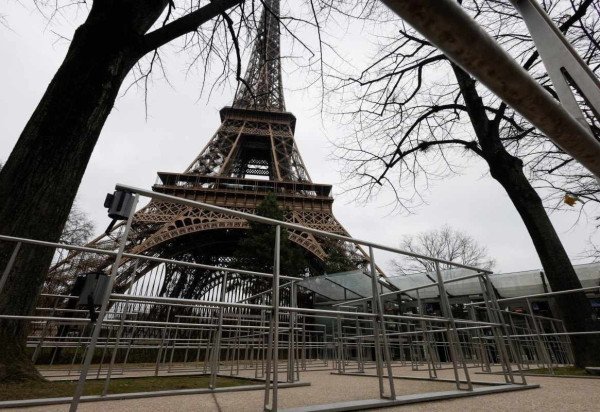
[264, 69]
[252, 154]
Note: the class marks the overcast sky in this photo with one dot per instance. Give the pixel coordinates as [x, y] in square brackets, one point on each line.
[132, 149]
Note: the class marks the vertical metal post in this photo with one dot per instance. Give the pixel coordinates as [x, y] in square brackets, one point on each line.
[120, 332]
[570, 356]
[162, 342]
[174, 343]
[268, 369]
[187, 347]
[376, 335]
[340, 359]
[81, 344]
[379, 329]
[248, 339]
[303, 353]
[558, 352]
[509, 341]
[275, 321]
[214, 368]
[497, 317]
[428, 349]
[129, 345]
[518, 348]
[485, 363]
[207, 354]
[105, 347]
[359, 346]
[292, 336]
[103, 309]
[453, 339]
[324, 350]
[238, 350]
[44, 332]
[542, 350]
[261, 341]
[200, 340]
[9, 265]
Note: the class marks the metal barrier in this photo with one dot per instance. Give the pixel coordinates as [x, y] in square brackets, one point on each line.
[236, 334]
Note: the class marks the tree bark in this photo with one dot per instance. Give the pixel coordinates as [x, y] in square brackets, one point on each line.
[576, 310]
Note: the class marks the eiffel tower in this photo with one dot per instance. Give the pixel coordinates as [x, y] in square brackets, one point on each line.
[252, 154]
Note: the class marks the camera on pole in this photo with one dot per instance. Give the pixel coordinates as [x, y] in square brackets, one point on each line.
[90, 287]
[119, 206]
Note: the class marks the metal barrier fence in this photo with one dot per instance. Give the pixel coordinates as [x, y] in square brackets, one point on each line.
[233, 334]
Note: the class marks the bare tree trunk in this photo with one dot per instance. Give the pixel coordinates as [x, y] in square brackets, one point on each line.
[576, 310]
[40, 178]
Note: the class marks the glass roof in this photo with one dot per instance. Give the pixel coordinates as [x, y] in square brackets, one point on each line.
[327, 289]
[459, 288]
[356, 284]
[342, 286]
[510, 285]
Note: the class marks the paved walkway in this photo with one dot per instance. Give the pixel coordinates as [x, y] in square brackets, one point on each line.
[556, 394]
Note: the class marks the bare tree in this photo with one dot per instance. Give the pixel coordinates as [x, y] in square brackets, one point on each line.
[444, 243]
[420, 117]
[78, 228]
[593, 251]
[78, 231]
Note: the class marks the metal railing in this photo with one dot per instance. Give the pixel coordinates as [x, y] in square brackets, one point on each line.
[257, 333]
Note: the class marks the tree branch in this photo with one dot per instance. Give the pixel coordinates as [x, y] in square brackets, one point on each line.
[238, 55]
[184, 25]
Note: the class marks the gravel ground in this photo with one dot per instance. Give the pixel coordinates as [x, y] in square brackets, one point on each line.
[556, 394]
